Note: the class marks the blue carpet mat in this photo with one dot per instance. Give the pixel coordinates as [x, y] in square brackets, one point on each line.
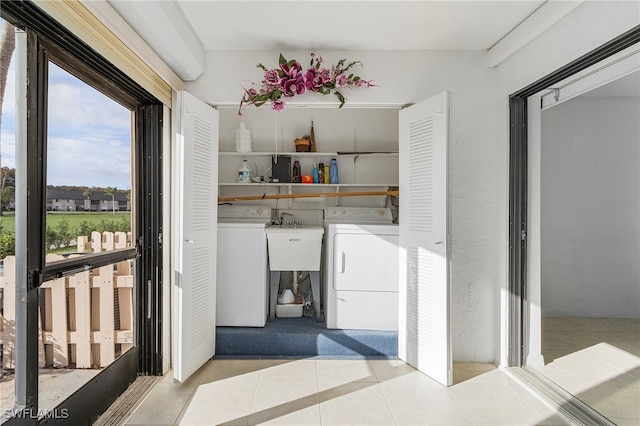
[303, 337]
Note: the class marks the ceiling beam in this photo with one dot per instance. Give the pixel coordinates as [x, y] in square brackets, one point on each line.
[166, 30]
[535, 24]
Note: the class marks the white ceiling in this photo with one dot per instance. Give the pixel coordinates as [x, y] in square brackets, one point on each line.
[182, 31]
[353, 25]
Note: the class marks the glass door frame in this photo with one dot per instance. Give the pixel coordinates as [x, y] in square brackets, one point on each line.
[47, 40]
[518, 302]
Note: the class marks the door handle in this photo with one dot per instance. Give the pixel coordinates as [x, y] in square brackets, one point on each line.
[343, 260]
[189, 241]
[438, 243]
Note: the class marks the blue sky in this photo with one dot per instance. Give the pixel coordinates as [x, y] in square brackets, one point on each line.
[88, 135]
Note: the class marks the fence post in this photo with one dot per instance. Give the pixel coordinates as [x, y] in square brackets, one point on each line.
[59, 335]
[83, 244]
[125, 296]
[9, 313]
[106, 323]
[80, 318]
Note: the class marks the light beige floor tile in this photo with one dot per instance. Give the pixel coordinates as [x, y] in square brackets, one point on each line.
[392, 369]
[606, 325]
[240, 370]
[302, 370]
[617, 397]
[221, 402]
[536, 402]
[493, 404]
[627, 421]
[421, 402]
[575, 384]
[491, 376]
[355, 404]
[337, 372]
[634, 372]
[570, 341]
[552, 369]
[614, 356]
[463, 371]
[588, 365]
[191, 381]
[291, 403]
[629, 342]
[163, 405]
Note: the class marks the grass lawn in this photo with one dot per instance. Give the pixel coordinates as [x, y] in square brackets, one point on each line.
[8, 221]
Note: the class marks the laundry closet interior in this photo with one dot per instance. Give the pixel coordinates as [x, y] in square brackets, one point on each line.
[308, 269]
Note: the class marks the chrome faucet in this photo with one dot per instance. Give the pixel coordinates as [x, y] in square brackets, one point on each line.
[291, 222]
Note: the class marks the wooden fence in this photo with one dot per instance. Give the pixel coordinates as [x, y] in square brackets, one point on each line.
[86, 319]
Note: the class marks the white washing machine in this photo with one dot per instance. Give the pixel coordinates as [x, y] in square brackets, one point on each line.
[242, 291]
[361, 269]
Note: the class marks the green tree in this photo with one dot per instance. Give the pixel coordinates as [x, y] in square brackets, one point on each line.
[7, 244]
[64, 232]
[112, 190]
[7, 195]
[85, 228]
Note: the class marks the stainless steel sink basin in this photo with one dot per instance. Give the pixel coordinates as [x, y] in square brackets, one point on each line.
[294, 248]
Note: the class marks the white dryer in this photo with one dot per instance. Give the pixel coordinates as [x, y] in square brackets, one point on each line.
[361, 269]
[242, 290]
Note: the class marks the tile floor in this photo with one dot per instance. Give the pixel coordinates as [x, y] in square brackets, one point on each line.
[598, 361]
[340, 392]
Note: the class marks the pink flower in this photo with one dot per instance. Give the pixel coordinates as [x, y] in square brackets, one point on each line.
[292, 71]
[277, 105]
[310, 77]
[289, 87]
[341, 81]
[272, 77]
[324, 75]
[290, 79]
[301, 85]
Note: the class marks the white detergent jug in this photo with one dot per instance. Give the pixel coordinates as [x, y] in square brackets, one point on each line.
[243, 138]
[286, 297]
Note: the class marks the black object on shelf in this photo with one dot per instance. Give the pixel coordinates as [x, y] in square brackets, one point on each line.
[281, 169]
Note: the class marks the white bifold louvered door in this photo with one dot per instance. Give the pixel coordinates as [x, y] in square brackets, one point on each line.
[196, 216]
[424, 328]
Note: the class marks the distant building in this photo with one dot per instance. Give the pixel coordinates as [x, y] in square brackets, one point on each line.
[72, 199]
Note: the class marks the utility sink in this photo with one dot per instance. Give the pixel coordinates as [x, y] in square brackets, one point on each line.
[294, 247]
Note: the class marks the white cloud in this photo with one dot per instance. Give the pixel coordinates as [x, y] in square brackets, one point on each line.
[88, 134]
[73, 107]
[8, 149]
[92, 163]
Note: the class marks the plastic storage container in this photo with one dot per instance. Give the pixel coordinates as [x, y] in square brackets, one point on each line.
[243, 138]
[295, 175]
[290, 310]
[244, 173]
[333, 171]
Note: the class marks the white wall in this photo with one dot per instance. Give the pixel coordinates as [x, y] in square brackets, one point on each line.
[590, 203]
[479, 141]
